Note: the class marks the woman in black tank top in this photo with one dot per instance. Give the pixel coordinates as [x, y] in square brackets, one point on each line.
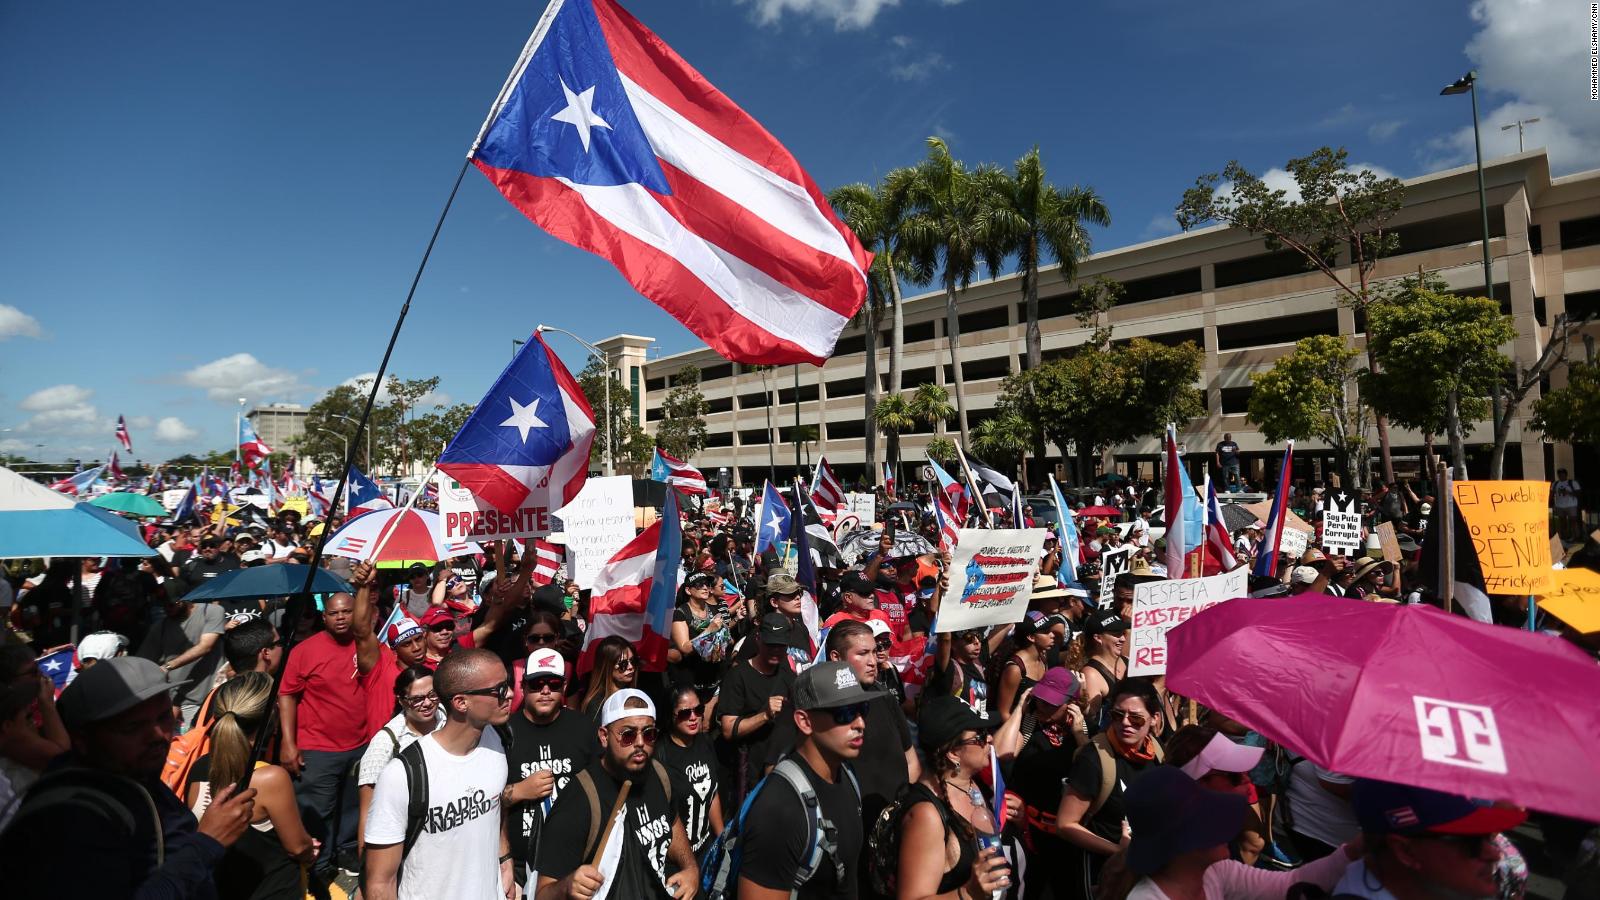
[1106, 640]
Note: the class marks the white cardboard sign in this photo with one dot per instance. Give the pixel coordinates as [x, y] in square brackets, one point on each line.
[464, 517]
[599, 522]
[1113, 563]
[991, 577]
[1158, 606]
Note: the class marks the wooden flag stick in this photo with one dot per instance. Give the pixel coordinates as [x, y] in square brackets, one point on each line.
[605, 831]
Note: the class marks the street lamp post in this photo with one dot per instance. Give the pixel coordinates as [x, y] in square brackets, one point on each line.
[1518, 125]
[1468, 84]
[605, 373]
[238, 429]
[343, 454]
[371, 470]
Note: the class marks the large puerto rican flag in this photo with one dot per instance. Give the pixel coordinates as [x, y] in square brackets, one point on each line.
[608, 140]
[826, 492]
[528, 439]
[1183, 513]
[1219, 546]
[634, 594]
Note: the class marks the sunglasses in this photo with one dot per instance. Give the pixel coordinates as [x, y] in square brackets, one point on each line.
[626, 662]
[540, 685]
[541, 639]
[1466, 844]
[1134, 719]
[976, 741]
[690, 712]
[629, 736]
[844, 715]
[882, 643]
[501, 692]
[419, 700]
[442, 627]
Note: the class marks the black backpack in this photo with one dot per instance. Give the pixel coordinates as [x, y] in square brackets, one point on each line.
[882, 857]
[719, 877]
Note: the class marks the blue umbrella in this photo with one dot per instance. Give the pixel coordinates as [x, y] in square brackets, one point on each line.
[266, 581]
[37, 521]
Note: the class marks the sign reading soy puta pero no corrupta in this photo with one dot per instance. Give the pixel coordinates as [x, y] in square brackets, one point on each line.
[1509, 522]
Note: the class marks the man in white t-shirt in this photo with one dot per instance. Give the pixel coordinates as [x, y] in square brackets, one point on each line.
[462, 834]
[1566, 496]
[417, 593]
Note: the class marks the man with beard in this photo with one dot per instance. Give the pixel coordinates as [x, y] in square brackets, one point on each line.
[549, 745]
[652, 832]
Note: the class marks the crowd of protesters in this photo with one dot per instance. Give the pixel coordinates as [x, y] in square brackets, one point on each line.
[432, 735]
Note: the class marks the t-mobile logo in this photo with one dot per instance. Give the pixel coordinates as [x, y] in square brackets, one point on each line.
[1459, 734]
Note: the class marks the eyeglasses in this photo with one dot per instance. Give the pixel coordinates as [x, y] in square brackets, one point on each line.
[501, 692]
[844, 715]
[630, 735]
[1134, 719]
[625, 662]
[541, 639]
[442, 627]
[690, 712]
[975, 741]
[416, 700]
[540, 685]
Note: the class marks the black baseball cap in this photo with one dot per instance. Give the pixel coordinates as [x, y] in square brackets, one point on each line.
[774, 630]
[828, 685]
[1106, 622]
[417, 569]
[943, 719]
[858, 585]
[700, 579]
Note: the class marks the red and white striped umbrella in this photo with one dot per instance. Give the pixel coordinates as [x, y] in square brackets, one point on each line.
[405, 533]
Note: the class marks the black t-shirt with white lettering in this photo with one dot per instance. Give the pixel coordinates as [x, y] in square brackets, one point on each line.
[775, 838]
[647, 832]
[565, 747]
[696, 764]
[1227, 452]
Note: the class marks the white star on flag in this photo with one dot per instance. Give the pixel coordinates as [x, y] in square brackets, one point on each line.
[772, 523]
[524, 418]
[580, 113]
[53, 664]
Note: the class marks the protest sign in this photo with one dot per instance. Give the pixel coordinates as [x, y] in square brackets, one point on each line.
[991, 577]
[599, 522]
[1292, 545]
[171, 499]
[1389, 541]
[1510, 528]
[1341, 525]
[1574, 598]
[464, 517]
[298, 504]
[1160, 605]
[846, 523]
[1113, 563]
[862, 506]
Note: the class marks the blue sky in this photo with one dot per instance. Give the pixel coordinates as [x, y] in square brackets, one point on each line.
[200, 202]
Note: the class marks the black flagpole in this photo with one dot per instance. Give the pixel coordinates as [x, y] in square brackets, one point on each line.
[297, 602]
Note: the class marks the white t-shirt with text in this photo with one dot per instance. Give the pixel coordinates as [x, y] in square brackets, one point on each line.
[458, 852]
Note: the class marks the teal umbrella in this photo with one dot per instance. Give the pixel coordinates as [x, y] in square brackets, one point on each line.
[131, 504]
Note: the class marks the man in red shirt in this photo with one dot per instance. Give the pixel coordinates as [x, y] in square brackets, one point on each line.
[860, 602]
[380, 665]
[323, 709]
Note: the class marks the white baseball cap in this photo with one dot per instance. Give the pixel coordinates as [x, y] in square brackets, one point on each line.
[1223, 755]
[612, 709]
[1303, 575]
[545, 661]
[878, 627]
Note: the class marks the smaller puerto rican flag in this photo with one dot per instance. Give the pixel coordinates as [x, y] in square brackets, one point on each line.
[999, 784]
[123, 436]
[949, 528]
[826, 492]
[676, 472]
[1066, 536]
[888, 480]
[363, 494]
[1218, 545]
[1266, 563]
[772, 519]
[186, 507]
[78, 483]
[547, 559]
[634, 594]
[251, 447]
[57, 665]
[528, 440]
[113, 470]
[952, 489]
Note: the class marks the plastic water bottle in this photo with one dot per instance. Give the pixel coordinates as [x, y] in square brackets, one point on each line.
[988, 832]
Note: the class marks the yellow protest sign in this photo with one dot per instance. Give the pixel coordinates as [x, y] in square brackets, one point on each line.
[1509, 522]
[298, 504]
[1574, 598]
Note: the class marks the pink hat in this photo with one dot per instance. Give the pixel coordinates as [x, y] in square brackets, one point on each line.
[1222, 755]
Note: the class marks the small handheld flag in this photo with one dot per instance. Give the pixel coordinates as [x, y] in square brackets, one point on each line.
[122, 435]
[773, 518]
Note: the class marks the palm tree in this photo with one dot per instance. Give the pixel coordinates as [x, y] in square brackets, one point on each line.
[875, 215]
[1034, 219]
[942, 449]
[943, 238]
[893, 417]
[1005, 436]
[930, 405]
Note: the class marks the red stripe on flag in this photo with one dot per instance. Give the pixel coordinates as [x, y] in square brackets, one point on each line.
[490, 483]
[562, 212]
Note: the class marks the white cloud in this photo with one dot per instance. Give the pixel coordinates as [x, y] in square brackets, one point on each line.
[1280, 180]
[1532, 54]
[845, 14]
[1159, 226]
[908, 62]
[16, 323]
[61, 396]
[363, 383]
[172, 430]
[242, 375]
[1380, 132]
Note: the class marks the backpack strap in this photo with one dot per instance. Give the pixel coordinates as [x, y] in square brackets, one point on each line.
[585, 781]
[823, 834]
[666, 781]
[416, 769]
[72, 787]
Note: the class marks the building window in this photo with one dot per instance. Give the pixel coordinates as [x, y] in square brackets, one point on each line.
[995, 367]
[1197, 336]
[1449, 231]
[654, 414]
[1583, 304]
[846, 387]
[921, 331]
[633, 385]
[1236, 400]
[910, 378]
[1536, 239]
[656, 384]
[1260, 268]
[1577, 233]
[846, 429]
[753, 401]
[1052, 307]
[1155, 287]
[984, 319]
[713, 373]
[808, 393]
[1282, 330]
[848, 345]
[720, 405]
[719, 439]
[753, 437]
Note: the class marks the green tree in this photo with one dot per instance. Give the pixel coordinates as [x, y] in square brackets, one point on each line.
[894, 417]
[875, 214]
[1005, 438]
[632, 444]
[682, 429]
[942, 450]
[404, 395]
[431, 431]
[1572, 413]
[331, 426]
[930, 405]
[943, 238]
[1103, 396]
[1438, 358]
[1037, 221]
[1339, 225]
[1310, 394]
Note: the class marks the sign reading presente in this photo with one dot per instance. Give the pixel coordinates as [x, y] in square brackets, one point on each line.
[463, 517]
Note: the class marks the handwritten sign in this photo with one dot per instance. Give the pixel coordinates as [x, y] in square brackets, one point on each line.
[1574, 598]
[1341, 525]
[863, 506]
[1112, 564]
[1292, 545]
[1158, 606]
[1510, 528]
[599, 522]
[464, 517]
[991, 577]
[1389, 541]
